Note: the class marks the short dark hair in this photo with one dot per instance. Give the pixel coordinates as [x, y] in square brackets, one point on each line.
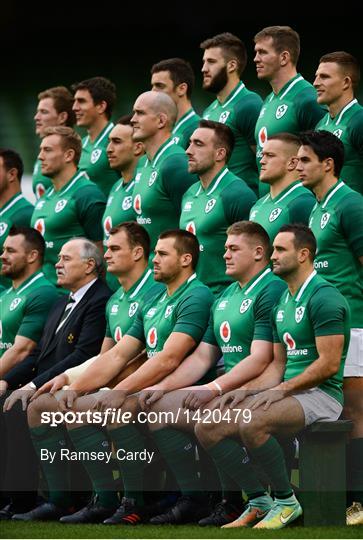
[325, 145]
[180, 72]
[12, 160]
[124, 120]
[222, 133]
[284, 38]
[233, 48]
[347, 63]
[285, 137]
[70, 140]
[136, 234]
[185, 242]
[101, 89]
[303, 237]
[62, 100]
[255, 232]
[32, 239]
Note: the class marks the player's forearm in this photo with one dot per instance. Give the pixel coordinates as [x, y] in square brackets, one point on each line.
[12, 357]
[75, 372]
[249, 369]
[315, 374]
[269, 378]
[99, 372]
[189, 372]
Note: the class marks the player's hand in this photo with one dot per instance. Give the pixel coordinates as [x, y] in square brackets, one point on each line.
[52, 386]
[109, 399]
[198, 397]
[233, 398]
[266, 398]
[3, 387]
[66, 399]
[149, 396]
[22, 394]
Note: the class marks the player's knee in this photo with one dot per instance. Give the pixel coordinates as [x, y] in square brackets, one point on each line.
[207, 434]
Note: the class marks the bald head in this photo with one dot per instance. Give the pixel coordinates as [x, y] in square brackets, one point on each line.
[153, 111]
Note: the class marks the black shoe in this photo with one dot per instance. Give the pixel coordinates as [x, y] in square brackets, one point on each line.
[92, 513]
[185, 510]
[224, 512]
[128, 513]
[45, 512]
[7, 512]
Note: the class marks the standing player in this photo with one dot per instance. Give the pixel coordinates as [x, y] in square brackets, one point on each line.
[123, 155]
[54, 109]
[302, 385]
[337, 223]
[292, 105]
[94, 100]
[175, 77]
[161, 183]
[288, 201]
[224, 61]
[216, 201]
[336, 81]
[74, 206]
[14, 208]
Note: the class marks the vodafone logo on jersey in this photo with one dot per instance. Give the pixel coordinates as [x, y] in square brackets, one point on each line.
[137, 204]
[289, 341]
[190, 227]
[262, 136]
[39, 190]
[118, 334]
[107, 225]
[39, 226]
[225, 331]
[152, 338]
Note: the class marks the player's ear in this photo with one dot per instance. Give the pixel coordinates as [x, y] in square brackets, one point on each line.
[181, 89]
[292, 163]
[186, 259]
[101, 107]
[259, 253]
[284, 58]
[163, 119]
[221, 154]
[63, 117]
[232, 65]
[347, 83]
[138, 253]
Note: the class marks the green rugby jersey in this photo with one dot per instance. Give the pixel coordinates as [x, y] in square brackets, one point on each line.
[207, 213]
[242, 315]
[337, 223]
[159, 188]
[75, 210]
[292, 205]
[94, 160]
[316, 309]
[184, 127]
[239, 111]
[118, 209]
[186, 310]
[24, 310]
[293, 109]
[40, 183]
[123, 306]
[347, 125]
[17, 211]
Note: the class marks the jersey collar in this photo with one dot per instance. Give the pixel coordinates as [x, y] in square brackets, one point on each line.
[299, 293]
[17, 197]
[285, 192]
[255, 280]
[341, 114]
[232, 95]
[29, 281]
[214, 183]
[161, 150]
[186, 116]
[106, 130]
[330, 194]
[287, 87]
[69, 184]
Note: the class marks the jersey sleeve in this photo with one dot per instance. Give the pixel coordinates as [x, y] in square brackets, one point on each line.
[356, 132]
[176, 179]
[24, 216]
[193, 312]
[137, 328]
[263, 306]
[108, 310]
[328, 312]
[247, 111]
[209, 335]
[275, 335]
[308, 111]
[38, 304]
[300, 208]
[91, 204]
[351, 220]
[237, 200]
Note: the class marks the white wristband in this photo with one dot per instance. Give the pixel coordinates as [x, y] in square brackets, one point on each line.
[219, 388]
[32, 385]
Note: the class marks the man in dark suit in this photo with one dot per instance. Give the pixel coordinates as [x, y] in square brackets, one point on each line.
[73, 333]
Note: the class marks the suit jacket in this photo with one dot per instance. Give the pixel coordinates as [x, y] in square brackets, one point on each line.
[78, 339]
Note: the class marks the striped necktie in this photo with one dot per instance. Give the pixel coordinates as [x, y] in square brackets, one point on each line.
[66, 312]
